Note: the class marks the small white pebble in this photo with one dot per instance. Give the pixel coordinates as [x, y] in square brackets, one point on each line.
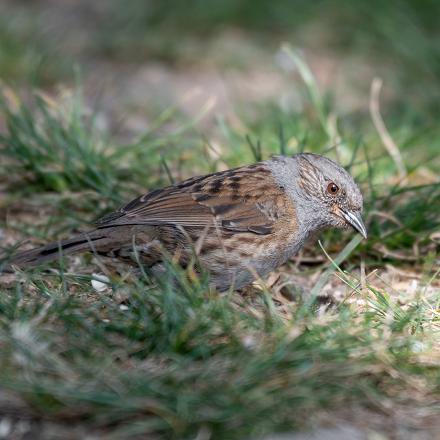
[418, 347]
[106, 320]
[5, 427]
[123, 307]
[249, 341]
[100, 282]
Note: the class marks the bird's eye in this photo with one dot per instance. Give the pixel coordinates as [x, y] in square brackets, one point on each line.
[332, 188]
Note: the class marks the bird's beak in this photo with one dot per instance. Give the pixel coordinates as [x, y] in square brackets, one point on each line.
[355, 220]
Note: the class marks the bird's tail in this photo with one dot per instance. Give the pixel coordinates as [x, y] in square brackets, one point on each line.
[35, 257]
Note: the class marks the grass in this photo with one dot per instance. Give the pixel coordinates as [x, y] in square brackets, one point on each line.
[56, 149]
[27, 54]
[143, 359]
[173, 359]
[155, 358]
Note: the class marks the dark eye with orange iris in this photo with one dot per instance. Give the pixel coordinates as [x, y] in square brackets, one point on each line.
[332, 188]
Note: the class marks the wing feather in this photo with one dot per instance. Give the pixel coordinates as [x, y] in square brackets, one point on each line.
[242, 200]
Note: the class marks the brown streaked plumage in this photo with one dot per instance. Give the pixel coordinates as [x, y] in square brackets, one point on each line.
[242, 223]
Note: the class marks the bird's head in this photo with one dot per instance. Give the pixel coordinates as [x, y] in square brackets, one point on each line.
[330, 191]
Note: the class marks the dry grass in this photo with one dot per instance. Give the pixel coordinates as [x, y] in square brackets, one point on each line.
[345, 334]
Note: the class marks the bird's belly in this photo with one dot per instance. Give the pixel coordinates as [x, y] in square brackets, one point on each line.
[236, 264]
[232, 260]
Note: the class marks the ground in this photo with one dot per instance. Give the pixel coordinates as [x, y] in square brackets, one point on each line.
[104, 101]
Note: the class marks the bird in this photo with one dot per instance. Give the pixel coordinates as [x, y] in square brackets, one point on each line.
[241, 223]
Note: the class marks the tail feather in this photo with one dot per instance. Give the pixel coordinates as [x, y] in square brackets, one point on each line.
[53, 251]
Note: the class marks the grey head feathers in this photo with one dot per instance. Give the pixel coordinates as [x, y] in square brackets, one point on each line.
[324, 193]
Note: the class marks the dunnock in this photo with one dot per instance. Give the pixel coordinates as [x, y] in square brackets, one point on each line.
[242, 223]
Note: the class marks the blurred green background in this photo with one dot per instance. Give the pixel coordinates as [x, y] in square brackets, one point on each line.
[397, 39]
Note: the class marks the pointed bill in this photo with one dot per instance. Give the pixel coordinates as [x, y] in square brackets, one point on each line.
[355, 220]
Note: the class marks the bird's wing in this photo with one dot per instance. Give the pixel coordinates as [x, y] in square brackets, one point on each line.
[241, 200]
